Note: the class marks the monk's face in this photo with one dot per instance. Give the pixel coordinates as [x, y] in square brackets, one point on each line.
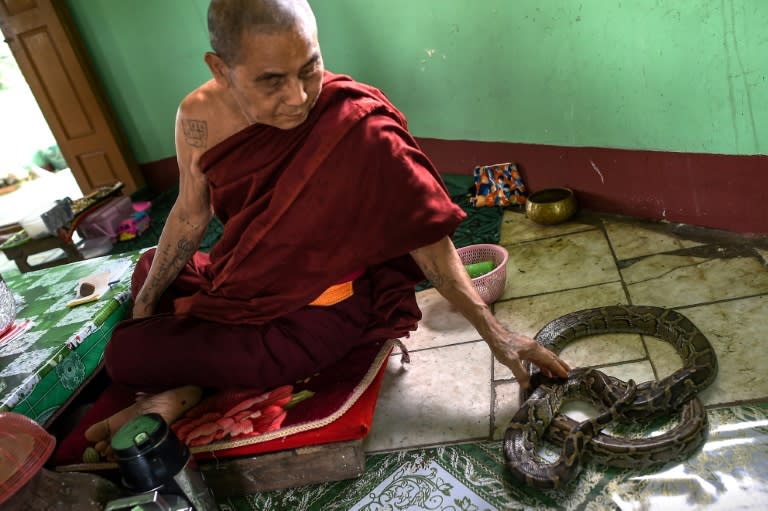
[278, 76]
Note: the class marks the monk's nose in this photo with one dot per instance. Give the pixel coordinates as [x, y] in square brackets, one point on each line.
[296, 93]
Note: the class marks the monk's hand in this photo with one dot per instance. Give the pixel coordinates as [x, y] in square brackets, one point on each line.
[511, 349]
[140, 312]
[142, 308]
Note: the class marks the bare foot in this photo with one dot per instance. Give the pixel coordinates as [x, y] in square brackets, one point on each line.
[170, 404]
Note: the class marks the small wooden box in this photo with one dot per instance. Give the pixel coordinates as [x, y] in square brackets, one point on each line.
[285, 469]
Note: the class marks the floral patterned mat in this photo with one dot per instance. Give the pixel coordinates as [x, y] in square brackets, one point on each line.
[729, 472]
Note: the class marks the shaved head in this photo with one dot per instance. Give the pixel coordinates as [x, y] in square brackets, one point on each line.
[228, 20]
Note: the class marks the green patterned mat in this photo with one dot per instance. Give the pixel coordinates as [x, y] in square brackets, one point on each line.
[729, 472]
[44, 367]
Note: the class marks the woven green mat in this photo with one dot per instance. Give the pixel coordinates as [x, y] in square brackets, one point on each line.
[729, 472]
[482, 225]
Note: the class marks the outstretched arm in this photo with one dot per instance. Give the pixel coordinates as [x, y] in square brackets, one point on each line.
[188, 219]
[442, 266]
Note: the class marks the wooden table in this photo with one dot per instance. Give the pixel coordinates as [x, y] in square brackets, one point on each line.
[19, 253]
[20, 250]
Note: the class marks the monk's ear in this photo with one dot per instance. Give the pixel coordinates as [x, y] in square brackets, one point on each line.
[218, 67]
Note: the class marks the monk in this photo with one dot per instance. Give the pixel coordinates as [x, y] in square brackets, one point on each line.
[331, 214]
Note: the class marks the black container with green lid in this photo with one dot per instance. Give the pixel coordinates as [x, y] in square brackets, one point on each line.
[148, 453]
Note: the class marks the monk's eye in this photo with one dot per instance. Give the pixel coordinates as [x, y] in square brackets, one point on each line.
[306, 75]
[274, 82]
[310, 69]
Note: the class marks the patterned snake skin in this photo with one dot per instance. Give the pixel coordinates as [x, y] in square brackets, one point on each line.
[538, 416]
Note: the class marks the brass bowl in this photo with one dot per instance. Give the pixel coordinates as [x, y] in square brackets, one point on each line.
[551, 206]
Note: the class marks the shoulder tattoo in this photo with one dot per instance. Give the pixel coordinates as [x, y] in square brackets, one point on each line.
[195, 132]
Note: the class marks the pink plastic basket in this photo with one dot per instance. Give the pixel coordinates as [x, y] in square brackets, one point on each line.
[490, 286]
[105, 221]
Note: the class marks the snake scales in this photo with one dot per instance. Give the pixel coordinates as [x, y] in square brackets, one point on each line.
[537, 417]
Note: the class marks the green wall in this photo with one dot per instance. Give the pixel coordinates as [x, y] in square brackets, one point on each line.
[149, 55]
[673, 75]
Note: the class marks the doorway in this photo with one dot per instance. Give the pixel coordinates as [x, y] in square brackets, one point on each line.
[33, 174]
[23, 129]
[47, 49]
[32, 171]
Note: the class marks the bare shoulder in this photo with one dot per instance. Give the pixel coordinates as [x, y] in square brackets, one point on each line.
[205, 118]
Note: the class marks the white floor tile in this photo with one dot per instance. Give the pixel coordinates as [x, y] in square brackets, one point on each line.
[737, 331]
[516, 228]
[505, 405]
[555, 264]
[675, 281]
[630, 240]
[443, 396]
[440, 325]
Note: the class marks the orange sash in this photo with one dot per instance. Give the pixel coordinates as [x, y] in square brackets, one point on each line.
[334, 294]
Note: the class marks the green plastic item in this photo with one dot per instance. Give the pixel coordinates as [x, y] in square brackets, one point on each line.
[135, 432]
[477, 269]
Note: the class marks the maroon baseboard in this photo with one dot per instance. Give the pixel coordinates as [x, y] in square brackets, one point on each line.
[710, 190]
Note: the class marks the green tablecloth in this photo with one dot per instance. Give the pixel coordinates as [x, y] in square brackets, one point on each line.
[46, 365]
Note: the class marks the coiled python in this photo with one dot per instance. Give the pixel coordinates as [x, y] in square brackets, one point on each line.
[538, 417]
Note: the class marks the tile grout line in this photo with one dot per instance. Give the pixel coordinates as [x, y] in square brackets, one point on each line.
[719, 301]
[457, 343]
[430, 445]
[623, 362]
[628, 297]
[493, 382]
[616, 262]
[673, 270]
[492, 404]
[548, 237]
[556, 291]
[738, 402]
[492, 390]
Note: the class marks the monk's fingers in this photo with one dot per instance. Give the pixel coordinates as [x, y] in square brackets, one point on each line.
[97, 432]
[520, 372]
[557, 366]
[549, 363]
[102, 447]
[528, 349]
[546, 372]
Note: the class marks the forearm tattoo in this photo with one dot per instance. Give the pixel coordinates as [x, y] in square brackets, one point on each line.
[434, 275]
[195, 132]
[169, 265]
[184, 250]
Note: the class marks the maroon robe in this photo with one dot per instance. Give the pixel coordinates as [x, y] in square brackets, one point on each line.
[347, 190]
